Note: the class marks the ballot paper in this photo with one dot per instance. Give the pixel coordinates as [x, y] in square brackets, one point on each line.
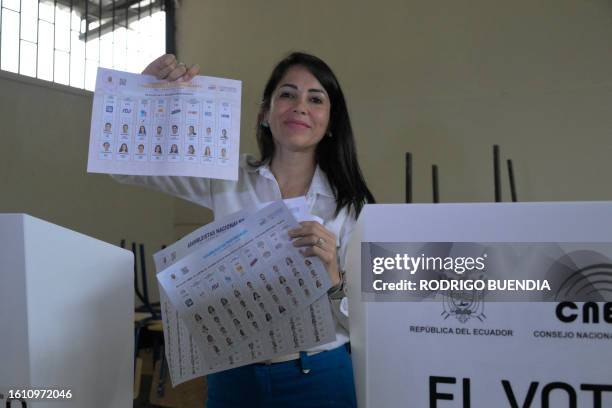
[257, 338]
[143, 126]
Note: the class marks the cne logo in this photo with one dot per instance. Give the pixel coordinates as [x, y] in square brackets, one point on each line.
[590, 283]
[589, 312]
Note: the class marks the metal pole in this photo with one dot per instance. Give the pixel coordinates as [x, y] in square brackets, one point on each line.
[434, 180]
[496, 174]
[512, 185]
[408, 177]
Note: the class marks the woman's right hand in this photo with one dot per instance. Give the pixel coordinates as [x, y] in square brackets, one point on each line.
[167, 67]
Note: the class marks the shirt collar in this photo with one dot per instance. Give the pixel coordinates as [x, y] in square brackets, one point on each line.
[319, 184]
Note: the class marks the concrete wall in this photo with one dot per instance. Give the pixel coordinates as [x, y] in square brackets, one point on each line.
[44, 137]
[443, 79]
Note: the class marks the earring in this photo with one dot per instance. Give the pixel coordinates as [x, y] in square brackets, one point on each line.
[329, 134]
[264, 124]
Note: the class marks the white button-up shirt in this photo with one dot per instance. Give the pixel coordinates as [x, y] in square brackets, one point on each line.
[255, 186]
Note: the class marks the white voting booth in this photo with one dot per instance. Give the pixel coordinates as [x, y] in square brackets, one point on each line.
[66, 312]
[404, 354]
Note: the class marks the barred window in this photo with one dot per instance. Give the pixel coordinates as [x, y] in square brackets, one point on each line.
[64, 41]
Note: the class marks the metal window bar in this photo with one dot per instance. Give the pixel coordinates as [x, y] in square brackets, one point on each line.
[70, 44]
[126, 35]
[1, 15]
[53, 48]
[37, 39]
[85, 45]
[168, 6]
[19, 42]
[99, 31]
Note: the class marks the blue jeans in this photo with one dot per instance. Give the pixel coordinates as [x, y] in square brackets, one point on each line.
[322, 380]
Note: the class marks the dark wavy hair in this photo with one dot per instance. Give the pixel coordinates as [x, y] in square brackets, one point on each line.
[336, 155]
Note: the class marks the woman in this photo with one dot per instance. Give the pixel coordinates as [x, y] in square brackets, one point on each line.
[142, 131]
[174, 149]
[123, 148]
[306, 148]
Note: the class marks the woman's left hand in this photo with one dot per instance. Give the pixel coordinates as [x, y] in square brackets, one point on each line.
[318, 241]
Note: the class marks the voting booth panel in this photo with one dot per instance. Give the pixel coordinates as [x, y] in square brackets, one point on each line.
[526, 354]
[66, 312]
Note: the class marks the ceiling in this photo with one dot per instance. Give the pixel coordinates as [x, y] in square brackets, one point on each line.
[124, 12]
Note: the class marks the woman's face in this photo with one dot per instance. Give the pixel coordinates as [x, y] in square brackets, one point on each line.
[299, 111]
